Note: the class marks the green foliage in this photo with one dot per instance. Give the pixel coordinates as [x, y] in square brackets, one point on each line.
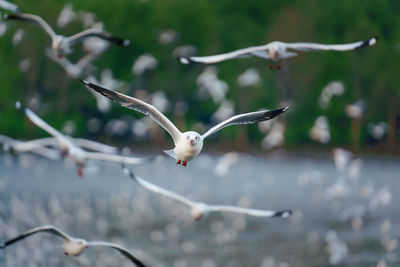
[215, 27]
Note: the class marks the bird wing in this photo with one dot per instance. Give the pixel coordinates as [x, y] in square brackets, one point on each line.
[246, 118]
[99, 34]
[251, 212]
[117, 158]
[95, 146]
[157, 189]
[45, 228]
[9, 6]
[42, 124]
[140, 106]
[337, 47]
[122, 250]
[221, 57]
[33, 18]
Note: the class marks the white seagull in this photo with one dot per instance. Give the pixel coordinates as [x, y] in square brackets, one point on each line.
[188, 144]
[72, 246]
[61, 45]
[198, 209]
[77, 154]
[74, 70]
[277, 51]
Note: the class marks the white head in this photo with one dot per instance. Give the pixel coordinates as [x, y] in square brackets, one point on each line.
[193, 138]
[275, 49]
[198, 211]
[74, 247]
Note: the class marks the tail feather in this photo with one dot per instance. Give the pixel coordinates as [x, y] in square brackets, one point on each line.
[170, 153]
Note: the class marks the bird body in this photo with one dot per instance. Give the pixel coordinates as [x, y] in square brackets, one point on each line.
[60, 44]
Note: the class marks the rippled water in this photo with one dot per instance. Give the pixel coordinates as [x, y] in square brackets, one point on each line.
[341, 219]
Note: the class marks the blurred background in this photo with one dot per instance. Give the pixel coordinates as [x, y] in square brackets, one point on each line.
[352, 96]
[344, 202]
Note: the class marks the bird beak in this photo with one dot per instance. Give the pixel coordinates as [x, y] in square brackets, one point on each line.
[191, 141]
[80, 172]
[86, 246]
[65, 253]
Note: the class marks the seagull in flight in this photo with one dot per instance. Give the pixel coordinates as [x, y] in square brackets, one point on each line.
[72, 246]
[61, 45]
[77, 154]
[198, 209]
[188, 145]
[277, 51]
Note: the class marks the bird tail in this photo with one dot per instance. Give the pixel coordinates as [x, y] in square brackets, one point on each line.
[170, 153]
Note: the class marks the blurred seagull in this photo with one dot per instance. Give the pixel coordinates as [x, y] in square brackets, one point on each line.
[199, 209]
[69, 148]
[72, 246]
[73, 70]
[9, 6]
[61, 45]
[277, 51]
[188, 144]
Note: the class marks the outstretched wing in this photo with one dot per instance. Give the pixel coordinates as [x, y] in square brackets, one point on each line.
[157, 189]
[251, 212]
[335, 47]
[45, 228]
[122, 250]
[42, 124]
[140, 106]
[35, 19]
[118, 158]
[221, 57]
[246, 118]
[99, 34]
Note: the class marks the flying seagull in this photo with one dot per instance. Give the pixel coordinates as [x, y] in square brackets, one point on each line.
[188, 144]
[69, 148]
[198, 209]
[61, 45]
[72, 246]
[277, 51]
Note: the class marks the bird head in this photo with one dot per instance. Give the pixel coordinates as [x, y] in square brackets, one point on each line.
[75, 247]
[192, 138]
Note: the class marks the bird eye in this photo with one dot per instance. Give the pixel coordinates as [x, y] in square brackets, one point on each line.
[187, 137]
[197, 138]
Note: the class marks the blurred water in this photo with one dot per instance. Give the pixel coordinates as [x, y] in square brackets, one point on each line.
[341, 219]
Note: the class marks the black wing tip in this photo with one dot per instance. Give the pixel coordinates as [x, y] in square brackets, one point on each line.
[119, 41]
[11, 16]
[85, 82]
[184, 60]
[283, 213]
[370, 42]
[127, 171]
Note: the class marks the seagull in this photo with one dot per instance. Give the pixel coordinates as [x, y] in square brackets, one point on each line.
[188, 144]
[72, 246]
[61, 45]
[198, 209]
[9, 6]
[69, 148]
[277, 51]
[74, 70]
